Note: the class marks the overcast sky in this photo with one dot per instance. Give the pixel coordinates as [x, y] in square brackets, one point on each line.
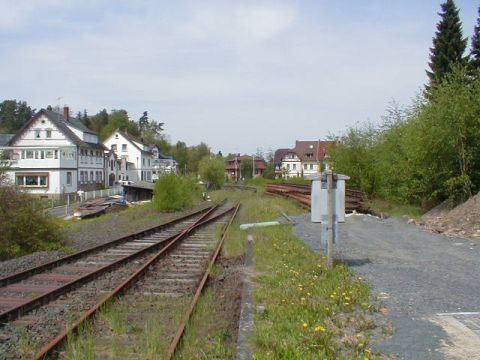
[237, 75]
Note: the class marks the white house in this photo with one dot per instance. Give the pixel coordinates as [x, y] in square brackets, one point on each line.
[304, 159]
[54, 154]
[136, 161]
[161, 163]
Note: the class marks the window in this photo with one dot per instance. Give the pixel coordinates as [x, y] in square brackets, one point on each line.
[114, 147]
[56, 154]
[37, 134]
[148, 162]
[29, 154]
[124, 147]
[69, 178]
[49, 134]
[48, 154]
[91, 176]
[294, 166]
[311, 166]
[288, 166]
[33, 180]
[305, 166]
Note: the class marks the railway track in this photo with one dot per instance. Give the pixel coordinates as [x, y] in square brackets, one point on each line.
[354, 199]
[37, 305]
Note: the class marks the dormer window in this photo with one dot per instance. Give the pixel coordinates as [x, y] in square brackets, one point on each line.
[114, 147]
[124, 147]
[37, 134]
[116, 136]
[49, 134]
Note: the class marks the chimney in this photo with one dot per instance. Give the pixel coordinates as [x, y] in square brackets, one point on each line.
[49, 107]
[66, 113]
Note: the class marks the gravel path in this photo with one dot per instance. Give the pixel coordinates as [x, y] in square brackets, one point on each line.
[417, 276]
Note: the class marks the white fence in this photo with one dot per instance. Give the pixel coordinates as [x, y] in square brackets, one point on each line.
[90, 195]
[73, 200]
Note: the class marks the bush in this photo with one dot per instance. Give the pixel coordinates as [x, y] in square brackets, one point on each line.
[24, 229]
[212, 171]
[174, 193]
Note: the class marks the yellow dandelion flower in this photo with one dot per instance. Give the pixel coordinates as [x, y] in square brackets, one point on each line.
[305, 325]
[319, 328]
[360, 344]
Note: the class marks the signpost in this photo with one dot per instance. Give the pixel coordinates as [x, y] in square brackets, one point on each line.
[328, 206]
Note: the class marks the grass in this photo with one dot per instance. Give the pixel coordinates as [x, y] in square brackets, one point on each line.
[380, 207]
[310, 312]
[207, 337]
[117, 332]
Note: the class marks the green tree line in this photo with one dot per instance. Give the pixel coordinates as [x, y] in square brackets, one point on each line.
[429, 151]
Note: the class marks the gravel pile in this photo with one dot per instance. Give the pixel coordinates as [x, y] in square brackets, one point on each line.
[463, 220]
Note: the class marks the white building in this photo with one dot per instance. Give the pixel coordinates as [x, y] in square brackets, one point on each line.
[304, 159]
[161, 163]
[54, 154]
[136, 161]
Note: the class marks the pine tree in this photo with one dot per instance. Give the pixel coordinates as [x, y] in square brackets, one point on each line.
[448, 44]
[475, 52]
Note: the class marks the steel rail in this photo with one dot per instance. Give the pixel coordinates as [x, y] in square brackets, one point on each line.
[47, 349]
[7, 280]
[181, 329]
[13, 313]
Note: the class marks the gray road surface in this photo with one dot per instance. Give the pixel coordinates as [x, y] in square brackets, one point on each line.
[429, 283]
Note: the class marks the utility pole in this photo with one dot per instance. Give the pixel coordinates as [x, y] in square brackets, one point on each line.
[330, 218]
[253, 167]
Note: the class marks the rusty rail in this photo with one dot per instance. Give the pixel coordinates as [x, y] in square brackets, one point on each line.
[22, 308]
[63, 260]
[48, 348]
[354, 199]
[181, 329]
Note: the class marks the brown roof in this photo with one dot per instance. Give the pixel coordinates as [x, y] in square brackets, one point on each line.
[306, 150]
[259, 163]
[279, 154]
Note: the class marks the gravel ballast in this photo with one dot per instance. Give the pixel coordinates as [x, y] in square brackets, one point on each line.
[416, 275]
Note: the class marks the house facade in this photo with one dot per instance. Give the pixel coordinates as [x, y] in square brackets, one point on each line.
[135, 158]
[233, 170]
[161, 163]
[304, 159]
[54, 154]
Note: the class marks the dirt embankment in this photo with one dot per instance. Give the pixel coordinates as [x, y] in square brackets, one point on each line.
[463, 220]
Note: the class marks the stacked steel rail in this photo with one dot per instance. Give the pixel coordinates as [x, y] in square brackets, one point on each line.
[354, 199]
[162, 248]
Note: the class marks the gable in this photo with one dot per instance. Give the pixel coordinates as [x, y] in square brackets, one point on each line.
[41, 131]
